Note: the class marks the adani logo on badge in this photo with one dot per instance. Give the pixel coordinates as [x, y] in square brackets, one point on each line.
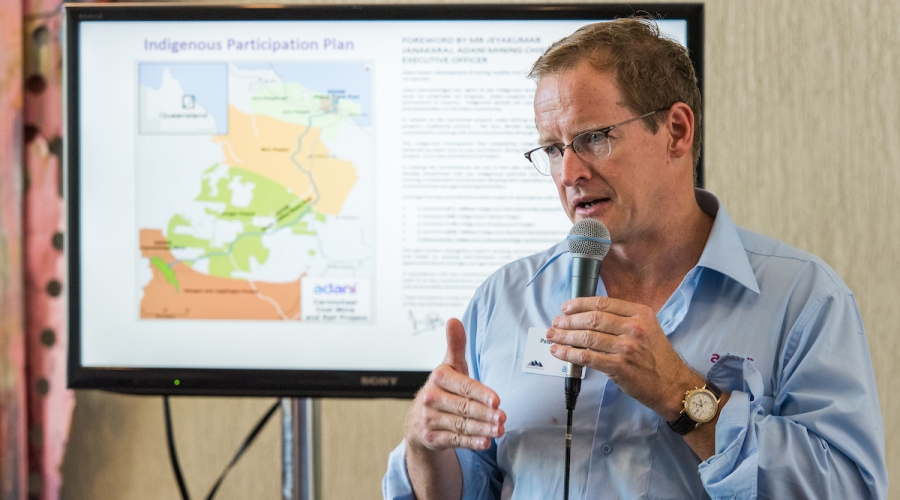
[332, 289]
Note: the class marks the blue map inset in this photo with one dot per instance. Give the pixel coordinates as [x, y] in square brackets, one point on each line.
[354, 79]
[207, 82]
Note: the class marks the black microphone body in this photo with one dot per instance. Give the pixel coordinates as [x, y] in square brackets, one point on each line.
[584, 278]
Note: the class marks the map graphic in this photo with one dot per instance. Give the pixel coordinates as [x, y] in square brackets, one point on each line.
[255, 191]
[183, 98]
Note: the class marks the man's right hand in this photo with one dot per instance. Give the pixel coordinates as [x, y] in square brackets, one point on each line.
[453, 410]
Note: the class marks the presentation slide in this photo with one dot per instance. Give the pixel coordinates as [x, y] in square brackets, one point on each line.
[302, 195]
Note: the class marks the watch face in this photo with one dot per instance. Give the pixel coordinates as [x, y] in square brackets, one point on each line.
[701, 406]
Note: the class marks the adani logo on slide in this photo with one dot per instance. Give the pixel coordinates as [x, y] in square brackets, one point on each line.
[333, 289]
[335, 300]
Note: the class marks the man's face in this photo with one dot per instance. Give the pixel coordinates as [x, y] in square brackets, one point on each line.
[626, 190]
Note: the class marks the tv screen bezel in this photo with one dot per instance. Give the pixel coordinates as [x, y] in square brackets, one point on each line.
[265, 382]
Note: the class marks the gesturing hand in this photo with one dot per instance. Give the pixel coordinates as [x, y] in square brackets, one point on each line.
[453, 410]
[623, 340]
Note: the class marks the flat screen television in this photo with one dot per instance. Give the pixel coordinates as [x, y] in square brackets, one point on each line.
[292, 200]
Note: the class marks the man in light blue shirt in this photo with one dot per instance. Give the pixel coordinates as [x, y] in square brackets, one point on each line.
[720, 363]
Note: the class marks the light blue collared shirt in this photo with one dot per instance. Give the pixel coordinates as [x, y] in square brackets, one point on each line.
[772, 325]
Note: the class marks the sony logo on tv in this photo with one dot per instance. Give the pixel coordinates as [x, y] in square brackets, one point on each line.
[374, 381]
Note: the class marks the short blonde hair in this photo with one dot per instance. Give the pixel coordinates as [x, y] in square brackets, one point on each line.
[652, 71]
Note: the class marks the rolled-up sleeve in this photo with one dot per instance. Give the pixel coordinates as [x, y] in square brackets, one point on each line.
[816, 431]
[481, 478]
[396, 484]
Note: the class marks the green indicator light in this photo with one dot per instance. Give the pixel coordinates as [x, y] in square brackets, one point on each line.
[177, 382]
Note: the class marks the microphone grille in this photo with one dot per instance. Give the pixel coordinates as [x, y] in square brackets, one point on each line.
[589, 237]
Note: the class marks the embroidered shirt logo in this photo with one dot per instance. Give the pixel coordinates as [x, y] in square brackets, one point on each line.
[716, 356]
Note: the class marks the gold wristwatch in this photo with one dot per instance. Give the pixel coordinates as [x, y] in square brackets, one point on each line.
[700, 406]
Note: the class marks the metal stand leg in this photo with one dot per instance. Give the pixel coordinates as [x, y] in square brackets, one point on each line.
[300, 449]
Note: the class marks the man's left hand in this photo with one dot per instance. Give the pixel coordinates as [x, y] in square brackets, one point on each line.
[624, 340]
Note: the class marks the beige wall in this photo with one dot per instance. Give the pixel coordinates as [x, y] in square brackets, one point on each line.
[802, 143]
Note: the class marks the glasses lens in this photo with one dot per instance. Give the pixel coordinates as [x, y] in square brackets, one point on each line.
[540, 160]
[592, 144]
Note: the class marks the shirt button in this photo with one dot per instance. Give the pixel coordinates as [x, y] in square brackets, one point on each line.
[606, 449]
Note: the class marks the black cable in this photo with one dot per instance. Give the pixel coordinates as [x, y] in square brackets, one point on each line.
[573, 388]
[173, 455]
[568, 454]
[247, 443]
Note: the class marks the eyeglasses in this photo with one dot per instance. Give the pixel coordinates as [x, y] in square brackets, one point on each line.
[589, 146]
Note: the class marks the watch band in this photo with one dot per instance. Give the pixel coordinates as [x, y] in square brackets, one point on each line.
[684, 424]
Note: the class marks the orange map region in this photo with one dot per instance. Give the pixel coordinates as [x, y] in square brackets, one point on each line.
[199, 296]
[269, 147]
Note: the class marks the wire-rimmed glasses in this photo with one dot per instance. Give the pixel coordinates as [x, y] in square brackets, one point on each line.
[589, 146]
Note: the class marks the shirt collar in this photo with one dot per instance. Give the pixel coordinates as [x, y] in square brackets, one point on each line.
[724, 251]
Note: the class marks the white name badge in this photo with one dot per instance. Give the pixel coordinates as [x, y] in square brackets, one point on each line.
[538, 358]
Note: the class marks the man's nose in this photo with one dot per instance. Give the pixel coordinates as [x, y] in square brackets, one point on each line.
[573, 168]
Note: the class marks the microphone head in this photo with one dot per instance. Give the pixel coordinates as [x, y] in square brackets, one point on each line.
[589, 238]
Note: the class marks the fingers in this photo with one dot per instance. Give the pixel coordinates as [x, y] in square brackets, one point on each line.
[454, 411]
[596, 321]
[462, 385]
[599, 331]
[585, 339]
[583, 357]
[609, 305]
[483, 409]
[441, 430]
[603, 314]
[442, 440]
[456, 346]
[475, 432]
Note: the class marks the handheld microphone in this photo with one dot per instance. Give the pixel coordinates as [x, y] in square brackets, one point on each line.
[588, 242]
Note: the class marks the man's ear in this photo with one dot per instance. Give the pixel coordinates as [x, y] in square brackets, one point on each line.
[680, 125]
